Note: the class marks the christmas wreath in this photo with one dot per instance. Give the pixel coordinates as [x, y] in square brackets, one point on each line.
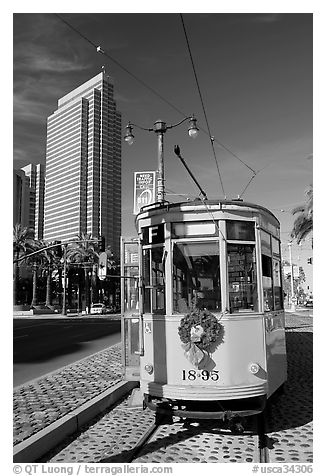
[200, 333]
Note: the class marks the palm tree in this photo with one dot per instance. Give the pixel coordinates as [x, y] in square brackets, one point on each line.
[111, 261]
[49, 260]
[303, 224]
[22, 244]
[84, 253]
[111, 267]
[36, 262]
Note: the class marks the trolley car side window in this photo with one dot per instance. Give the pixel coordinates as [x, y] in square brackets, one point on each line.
[242, 273]
[271, 271]
[196, 276]
[267, 283]
[277, 282]
[153, 275]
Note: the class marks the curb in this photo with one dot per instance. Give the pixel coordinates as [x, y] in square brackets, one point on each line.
[115, 317]
[33, 448]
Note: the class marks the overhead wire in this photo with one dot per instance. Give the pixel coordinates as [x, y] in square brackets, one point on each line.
[100, 50]
[143, 83]
[202, 102]
[212, 138]
[187, 196]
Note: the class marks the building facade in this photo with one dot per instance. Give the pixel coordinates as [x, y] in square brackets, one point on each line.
[35, 179]
[21, 201]
[28, 197]
[83, 165]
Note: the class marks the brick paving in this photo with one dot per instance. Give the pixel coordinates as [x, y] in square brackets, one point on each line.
[112, 438]
[46, 399]
[290, 423]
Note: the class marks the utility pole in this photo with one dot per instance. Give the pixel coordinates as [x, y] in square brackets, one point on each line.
[292, 278]
[160, 129]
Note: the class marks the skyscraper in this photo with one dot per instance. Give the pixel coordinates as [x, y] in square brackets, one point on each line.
[29, 197]
[83, 165]
[21, 199]
[35, 178]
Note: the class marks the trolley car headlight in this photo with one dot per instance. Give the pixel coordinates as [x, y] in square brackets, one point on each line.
[149, 368]
[254, 368]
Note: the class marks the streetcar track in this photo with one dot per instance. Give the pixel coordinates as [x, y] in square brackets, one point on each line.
[263, 451]
[143, 441]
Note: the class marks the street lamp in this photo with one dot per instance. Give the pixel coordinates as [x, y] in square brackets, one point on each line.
[160, 127]
[65, 269]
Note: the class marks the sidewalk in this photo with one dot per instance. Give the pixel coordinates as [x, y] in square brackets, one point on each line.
[299, 310]
[50, 408]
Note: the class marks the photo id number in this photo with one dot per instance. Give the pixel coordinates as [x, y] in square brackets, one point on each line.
[200, 374]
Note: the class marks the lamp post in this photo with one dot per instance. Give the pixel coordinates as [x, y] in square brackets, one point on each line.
[160, 128]
[64, 307]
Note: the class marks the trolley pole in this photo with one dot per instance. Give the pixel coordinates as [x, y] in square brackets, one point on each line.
[292, 278]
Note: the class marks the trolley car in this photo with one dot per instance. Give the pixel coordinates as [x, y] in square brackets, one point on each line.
[202, 308]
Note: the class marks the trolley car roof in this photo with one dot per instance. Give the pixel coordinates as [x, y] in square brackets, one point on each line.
[200, 205]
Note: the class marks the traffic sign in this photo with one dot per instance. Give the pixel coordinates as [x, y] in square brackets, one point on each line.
[144, 189]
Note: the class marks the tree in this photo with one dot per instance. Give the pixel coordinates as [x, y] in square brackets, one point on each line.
[23, 243]
[297, 282]
[84, 253]
[303, 223]
[37, 262]
[49, 260]
[109, 283]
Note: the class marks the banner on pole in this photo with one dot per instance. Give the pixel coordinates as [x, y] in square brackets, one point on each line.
[102, 265]
[144, 189]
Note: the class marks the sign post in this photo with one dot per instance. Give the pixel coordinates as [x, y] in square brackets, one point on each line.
[144, 189]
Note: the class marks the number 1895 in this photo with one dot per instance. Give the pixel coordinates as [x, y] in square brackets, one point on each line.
[200, 374]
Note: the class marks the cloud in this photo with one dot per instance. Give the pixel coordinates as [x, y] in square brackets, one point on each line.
[28, 109]
[256, 18]
[126, 99]
[34, 152]
[36, 98]
[38, 58]
[266, 17]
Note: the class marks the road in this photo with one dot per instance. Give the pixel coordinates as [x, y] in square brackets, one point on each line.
[44, 345]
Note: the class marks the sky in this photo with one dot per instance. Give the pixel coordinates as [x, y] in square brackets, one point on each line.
[255, 73]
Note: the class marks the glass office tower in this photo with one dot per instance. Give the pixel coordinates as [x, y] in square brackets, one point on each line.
[83, 165]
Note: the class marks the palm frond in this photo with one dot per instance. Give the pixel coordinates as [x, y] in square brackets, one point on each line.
[303, 224]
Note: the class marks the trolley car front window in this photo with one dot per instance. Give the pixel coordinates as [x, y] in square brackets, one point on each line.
[242, 278]
[196, 276]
